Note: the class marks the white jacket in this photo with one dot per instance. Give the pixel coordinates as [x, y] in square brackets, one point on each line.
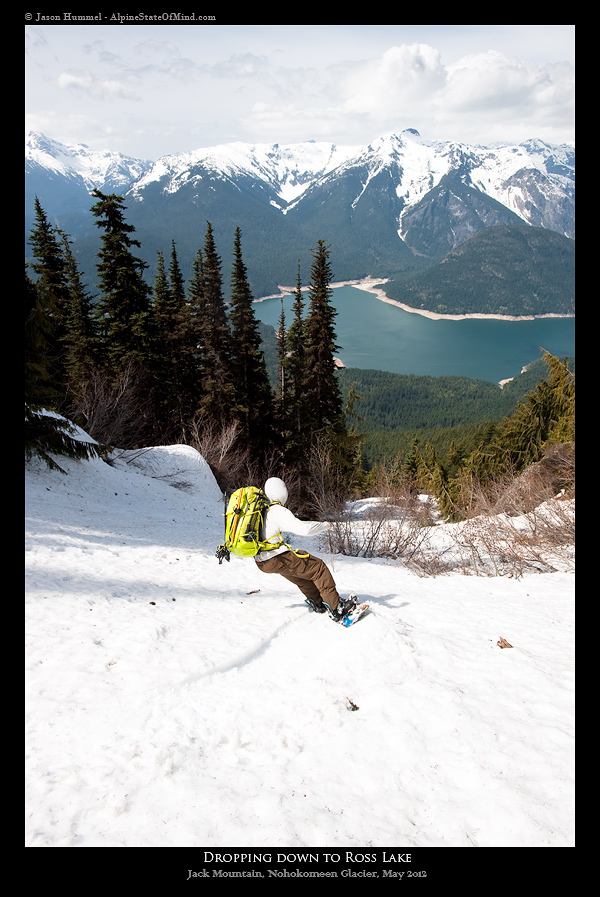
[280, 520]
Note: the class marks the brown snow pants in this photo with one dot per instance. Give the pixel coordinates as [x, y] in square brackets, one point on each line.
[310, 574]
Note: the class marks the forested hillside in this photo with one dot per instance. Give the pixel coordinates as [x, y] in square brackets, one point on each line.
[483, 467]
[396, 409]
[514, 270]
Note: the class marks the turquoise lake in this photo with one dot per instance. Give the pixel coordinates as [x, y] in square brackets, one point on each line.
[374, 334]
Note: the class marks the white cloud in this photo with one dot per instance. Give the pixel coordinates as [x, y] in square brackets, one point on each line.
[483, 97]
[241, 65]
[492, 94]
[98, 88]
[345, 84]
[491, 79]
[403, 76]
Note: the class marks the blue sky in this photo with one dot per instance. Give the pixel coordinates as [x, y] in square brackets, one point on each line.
[150, 90]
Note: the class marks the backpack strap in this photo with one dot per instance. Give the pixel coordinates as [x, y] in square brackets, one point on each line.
[269, 547]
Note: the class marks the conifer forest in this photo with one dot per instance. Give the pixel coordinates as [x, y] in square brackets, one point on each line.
[137, 365]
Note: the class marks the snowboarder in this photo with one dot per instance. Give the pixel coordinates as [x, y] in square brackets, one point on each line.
[309, 573]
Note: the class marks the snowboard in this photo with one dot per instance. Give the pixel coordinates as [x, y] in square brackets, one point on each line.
[355, 615]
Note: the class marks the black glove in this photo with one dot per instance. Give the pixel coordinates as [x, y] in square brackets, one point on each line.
[221, 553]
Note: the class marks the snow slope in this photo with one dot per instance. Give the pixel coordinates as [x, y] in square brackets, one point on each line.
[171, 704]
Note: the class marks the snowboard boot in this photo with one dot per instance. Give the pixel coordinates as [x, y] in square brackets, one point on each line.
[345, 607]
[318, 608]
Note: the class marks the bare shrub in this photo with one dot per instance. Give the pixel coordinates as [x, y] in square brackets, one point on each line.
[325, 490]
[538, 483]
[216, 442]
[519, 493]
[504, 544]
[553, 523]
[517, 523]
[212, 439]
[383, 528]
[116, 412]
[490, 544]
[232, 463]
[395, 524]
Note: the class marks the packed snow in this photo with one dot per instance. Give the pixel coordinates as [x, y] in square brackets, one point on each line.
[175, 702]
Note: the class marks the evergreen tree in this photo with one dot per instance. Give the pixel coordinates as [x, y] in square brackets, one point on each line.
[281, 397]
[125, 331]
[123, 308]
[81, 339]
[562, 382]
[176, 281]
[52, 297]
[351, 444]
[433, 478]
[46, 435]
[410, 465]
[503, 450]
[252, 387]
[282, 376]
[163, 360]
[174, 362]
[295, 412]
[196, 287]
[323, 401]
[214, 337]
[40, 388]
[545, 416]
[186, 344]
[160, 292]
[198, 313]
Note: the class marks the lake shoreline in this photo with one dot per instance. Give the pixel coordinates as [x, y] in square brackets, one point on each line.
[372, 285]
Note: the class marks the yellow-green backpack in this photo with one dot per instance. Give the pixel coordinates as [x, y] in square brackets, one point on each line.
[244, 524]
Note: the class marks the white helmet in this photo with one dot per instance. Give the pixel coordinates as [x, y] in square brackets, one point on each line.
[275, 490]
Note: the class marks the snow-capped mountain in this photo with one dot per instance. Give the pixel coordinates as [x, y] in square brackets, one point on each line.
[515, 176]
[95, 169]
[287, 170]
[395, 206]
[518, 177]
